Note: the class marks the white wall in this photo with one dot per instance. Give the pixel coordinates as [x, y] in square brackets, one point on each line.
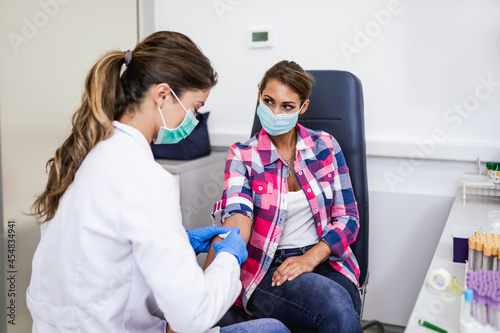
[429, 56]
[431, 80]
[46, 50]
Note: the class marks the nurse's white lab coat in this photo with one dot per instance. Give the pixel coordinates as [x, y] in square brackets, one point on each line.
[116, 258]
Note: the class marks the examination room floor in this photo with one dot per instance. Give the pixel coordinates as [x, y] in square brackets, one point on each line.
[387, 328]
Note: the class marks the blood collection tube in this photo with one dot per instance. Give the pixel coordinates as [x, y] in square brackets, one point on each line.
[498, 261]
[482, 307]
[496, 306]
[492, 308]
[478, 260]
[472, 252]
[471, 281]
[487, 257]
[494, 255]
[467, 310]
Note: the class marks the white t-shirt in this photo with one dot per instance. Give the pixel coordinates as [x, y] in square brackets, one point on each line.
[116, 258]
[299, 229]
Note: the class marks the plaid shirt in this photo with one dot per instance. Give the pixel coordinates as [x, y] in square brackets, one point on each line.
[255, 185]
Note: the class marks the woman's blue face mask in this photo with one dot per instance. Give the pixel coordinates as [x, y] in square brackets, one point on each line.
[170, 136]
[276, 124]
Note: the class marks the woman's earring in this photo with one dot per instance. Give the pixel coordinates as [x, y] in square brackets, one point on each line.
[161, 105]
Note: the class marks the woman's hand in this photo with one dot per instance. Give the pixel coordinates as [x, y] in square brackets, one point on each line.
[291, 268]
[294, 266]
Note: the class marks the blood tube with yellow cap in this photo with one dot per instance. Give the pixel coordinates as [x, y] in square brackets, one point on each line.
[472, 253]
[487, 257]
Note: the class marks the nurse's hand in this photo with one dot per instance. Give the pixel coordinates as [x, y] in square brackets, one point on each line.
[234, 244]
[201, 238]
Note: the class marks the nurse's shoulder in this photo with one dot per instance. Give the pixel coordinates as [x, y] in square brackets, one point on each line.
[124, 160]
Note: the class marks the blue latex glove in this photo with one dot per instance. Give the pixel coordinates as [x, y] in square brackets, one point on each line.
[201, 238]
[233, 244]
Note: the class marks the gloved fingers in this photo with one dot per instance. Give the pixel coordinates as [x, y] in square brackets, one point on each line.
[207, 233]
[234, 244]
[235, 232]
[219, 230]
[217, 246]
[201, 238]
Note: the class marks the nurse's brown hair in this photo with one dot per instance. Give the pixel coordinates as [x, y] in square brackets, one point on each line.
[291, 75]
[111, 91]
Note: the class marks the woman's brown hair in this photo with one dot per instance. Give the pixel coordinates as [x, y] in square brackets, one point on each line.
[291, 75]
[163, 57]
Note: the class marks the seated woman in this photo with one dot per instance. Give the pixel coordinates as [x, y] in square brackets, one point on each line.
[288, 189]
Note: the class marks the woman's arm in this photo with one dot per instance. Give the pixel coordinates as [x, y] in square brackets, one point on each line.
[236, 203]
[343, 227]
[237, 220]
[338, 233]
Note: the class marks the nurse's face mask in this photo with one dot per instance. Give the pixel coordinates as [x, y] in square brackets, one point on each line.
[276, 124]
[169, 136]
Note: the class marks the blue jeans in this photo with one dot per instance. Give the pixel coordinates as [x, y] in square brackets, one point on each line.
[321, 301]
[256, 325]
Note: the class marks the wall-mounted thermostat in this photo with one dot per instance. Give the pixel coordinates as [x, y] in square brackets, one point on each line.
[261, 38]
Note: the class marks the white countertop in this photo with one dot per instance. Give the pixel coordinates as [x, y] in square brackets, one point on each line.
[443, 309]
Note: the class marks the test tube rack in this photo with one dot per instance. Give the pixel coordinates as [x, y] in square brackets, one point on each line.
[474, 325]
[483, 276]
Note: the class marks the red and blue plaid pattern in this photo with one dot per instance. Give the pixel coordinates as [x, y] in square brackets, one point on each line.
[255, 186]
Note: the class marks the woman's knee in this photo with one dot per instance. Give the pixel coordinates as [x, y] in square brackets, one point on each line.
[272, 325]
[257, 325]
[338, 312]
[312, 301]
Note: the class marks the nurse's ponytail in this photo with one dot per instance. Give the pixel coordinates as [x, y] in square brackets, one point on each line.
[113, 90]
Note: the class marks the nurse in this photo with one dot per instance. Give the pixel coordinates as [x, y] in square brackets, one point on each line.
[114, 256]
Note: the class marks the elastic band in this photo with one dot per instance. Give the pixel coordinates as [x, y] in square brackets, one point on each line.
[128, 57]
[161, 115]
